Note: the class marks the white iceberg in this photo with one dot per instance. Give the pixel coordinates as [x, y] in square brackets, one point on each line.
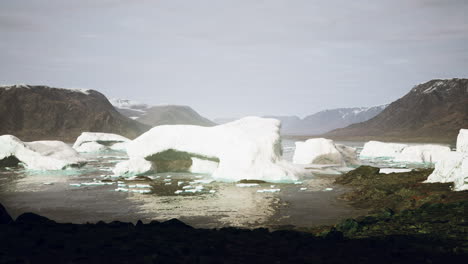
[377, 149]
[393, 170]
[422, 153]
[135, 166]
[203, 166]
[39, 155]
[323, 151]
[95, 142]
[452, 168]
[249, 148]
[462, 141]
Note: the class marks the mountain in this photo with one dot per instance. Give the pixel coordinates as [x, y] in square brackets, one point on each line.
[322, 121]
[129, 108]
[160, 115]
[432, 111]
[33, 112]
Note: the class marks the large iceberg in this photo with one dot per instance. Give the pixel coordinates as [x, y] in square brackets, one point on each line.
[422, 153]
[323, 151]
[38, 155]
[377, 149]
[249, 148]
[95, 142]
[453, 166]
[462, 141]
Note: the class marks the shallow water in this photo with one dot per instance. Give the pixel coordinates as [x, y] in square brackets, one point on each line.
[79, 196]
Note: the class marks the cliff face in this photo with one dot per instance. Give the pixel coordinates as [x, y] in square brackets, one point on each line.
[432, 111]
[42, 112]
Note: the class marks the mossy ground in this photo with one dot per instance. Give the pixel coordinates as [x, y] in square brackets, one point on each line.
[401, 204]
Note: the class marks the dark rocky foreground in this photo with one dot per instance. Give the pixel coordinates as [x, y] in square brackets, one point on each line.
[34, 239]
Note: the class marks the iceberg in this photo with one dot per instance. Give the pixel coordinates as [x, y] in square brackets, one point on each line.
[323, 151]
[95, 142]
[422, 154]
[377, 149]
[38, 155]
[453, 166]
[462, 141]
[249, 148]
[203, 166]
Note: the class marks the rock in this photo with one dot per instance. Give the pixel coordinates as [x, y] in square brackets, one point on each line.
[5, 218]
[33, 219]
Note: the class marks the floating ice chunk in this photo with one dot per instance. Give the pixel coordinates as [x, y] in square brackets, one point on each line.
[143, 191]
[247, 184]
[452, 168]
[203, 166]
[136, 166]
[168, 176]
[167, 180]
[376, 149]
[187, 187]
[96, 183]
[212, 191]
[121, 190]
[93, 142]
[39, 155]
[422, 153]
[143, 186]
[120, 146]
[462, 141]
[272, 186]
[393, 170]
[249, 148]
[323, 151]
[268, 190]
[75, 184]
[48, 183]
[120, 182]
[89, 147]
[298, 182]
[328, 189]
[178, 191]
[303, 189]
[180, 183]
[168, 183]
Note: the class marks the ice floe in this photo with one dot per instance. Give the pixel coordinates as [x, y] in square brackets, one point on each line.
[393, 170]
[39, 155]
[377, 149]
[249, 148]
[95, 142]
[462, 141]
[324, 151]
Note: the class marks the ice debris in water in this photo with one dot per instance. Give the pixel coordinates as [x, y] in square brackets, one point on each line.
[48, 183]
[180, 183]
[168, 176]
[167, 180]
[121, 190]
[268, 190]
[298, 182]
[168, 183]
[141, 191]
[203, 181]
[328, 189]
[75, 184]
[143, 186]
[303, 189]
[178, 191]
[212, 191]
[247, 184]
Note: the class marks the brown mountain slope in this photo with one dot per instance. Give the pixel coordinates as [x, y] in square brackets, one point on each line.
[432, 112]
[173, 115]
[41, 112]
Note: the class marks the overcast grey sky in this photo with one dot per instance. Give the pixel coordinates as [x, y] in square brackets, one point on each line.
[239, 57]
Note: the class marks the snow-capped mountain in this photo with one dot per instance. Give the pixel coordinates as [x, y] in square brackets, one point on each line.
[129, 108]
[322, 121]
[33, 112]
[432, 111]
[161, 114]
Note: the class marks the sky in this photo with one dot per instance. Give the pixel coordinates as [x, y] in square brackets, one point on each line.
[234, 58]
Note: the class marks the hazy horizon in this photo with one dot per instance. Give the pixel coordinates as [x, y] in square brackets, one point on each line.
[236, 58]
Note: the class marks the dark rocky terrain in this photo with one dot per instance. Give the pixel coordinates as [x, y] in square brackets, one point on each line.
[173, 115]
[41, 112]
[430, 112]
[35, 239]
